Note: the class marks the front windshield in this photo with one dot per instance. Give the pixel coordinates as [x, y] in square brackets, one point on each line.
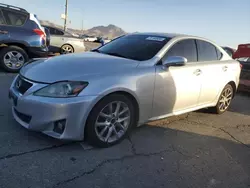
[136, 47]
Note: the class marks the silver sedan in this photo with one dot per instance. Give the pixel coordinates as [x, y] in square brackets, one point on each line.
[64, 42]
[101, 95]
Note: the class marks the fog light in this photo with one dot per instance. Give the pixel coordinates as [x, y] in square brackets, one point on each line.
[59, 126]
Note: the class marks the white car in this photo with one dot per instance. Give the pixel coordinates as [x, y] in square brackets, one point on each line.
[64, 42]
[90, 38]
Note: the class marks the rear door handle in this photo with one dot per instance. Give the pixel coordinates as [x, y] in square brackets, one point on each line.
[197, 72]
[224, 68]
[3, 32]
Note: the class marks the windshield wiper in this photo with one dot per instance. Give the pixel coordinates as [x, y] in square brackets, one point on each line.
[116, 54]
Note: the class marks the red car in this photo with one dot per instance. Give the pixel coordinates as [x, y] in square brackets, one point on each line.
[242, 51]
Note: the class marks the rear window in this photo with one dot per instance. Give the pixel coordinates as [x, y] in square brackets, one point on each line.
[14, 18]
[136, 47]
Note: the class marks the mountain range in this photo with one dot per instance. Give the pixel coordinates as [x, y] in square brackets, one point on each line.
[110, 31]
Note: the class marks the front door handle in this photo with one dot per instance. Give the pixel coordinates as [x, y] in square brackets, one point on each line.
[224, 68]
[3, 32]
[197, 72]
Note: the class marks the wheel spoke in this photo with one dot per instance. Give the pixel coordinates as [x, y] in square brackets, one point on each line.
[221, 100]
[120, 125]
[123, 111]
[101, 124]
[116, 133]
[229, 95]
[108, 134]
[118, 105]
[123, 119]
[221, 105]
[10, 54]
[102, 114]
[18, 55]
[111, 108]
[103, 130]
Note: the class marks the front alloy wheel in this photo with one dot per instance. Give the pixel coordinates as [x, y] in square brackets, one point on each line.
[110, 121]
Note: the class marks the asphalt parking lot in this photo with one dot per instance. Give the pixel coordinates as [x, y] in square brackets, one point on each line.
[192, 150]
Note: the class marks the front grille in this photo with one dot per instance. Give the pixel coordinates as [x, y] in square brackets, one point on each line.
[25, 118]
[22, 85]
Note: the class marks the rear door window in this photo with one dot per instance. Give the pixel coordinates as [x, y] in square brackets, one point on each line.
[185, 48]
[14, 18]
[51, 30]
[55, 31]
[206, 51]
[59, 32]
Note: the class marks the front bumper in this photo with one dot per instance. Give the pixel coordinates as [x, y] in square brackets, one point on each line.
[40, 113]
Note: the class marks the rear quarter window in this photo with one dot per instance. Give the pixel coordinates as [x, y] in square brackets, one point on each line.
[14, 18]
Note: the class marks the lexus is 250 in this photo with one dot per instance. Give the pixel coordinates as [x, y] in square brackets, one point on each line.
[101, 95]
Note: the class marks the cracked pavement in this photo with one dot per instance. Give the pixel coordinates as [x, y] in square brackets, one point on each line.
[198, 149]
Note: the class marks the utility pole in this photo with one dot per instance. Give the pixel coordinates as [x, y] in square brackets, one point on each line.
[82, 27]
[66, 15]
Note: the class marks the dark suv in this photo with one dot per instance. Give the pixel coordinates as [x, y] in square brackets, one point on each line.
[21, 37]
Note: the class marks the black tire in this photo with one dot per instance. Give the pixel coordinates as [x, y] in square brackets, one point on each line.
[8, 49]
[90, 133]
[217, 109]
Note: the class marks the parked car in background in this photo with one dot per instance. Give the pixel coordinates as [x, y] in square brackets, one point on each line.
[90, 38]
[245, 62]
[245, 73]
[64, 42]
[103, 94]
[21, 37]
[106, 40]
[242, 51]
[229, 50]
[102, 40]
[75, 35]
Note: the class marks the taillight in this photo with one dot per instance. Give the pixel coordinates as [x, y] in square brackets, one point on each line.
[241, 66]
[40, 33]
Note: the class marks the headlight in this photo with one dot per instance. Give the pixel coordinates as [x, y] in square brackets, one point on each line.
[62, 89]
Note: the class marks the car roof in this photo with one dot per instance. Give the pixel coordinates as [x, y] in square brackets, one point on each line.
[168, 35]
[173, 35]
[6, 6]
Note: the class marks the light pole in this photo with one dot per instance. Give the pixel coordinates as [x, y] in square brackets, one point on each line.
[66, 15]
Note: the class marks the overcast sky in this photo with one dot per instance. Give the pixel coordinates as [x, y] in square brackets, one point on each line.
[226, 22]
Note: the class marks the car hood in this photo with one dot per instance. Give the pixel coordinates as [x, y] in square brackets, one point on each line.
[75, 66]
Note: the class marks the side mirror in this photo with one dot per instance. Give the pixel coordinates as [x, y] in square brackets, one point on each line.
[174, 61]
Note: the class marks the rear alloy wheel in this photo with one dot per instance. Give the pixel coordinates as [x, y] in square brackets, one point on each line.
[12, 58]
[67, 49]
[110, 121]
[224, 100]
